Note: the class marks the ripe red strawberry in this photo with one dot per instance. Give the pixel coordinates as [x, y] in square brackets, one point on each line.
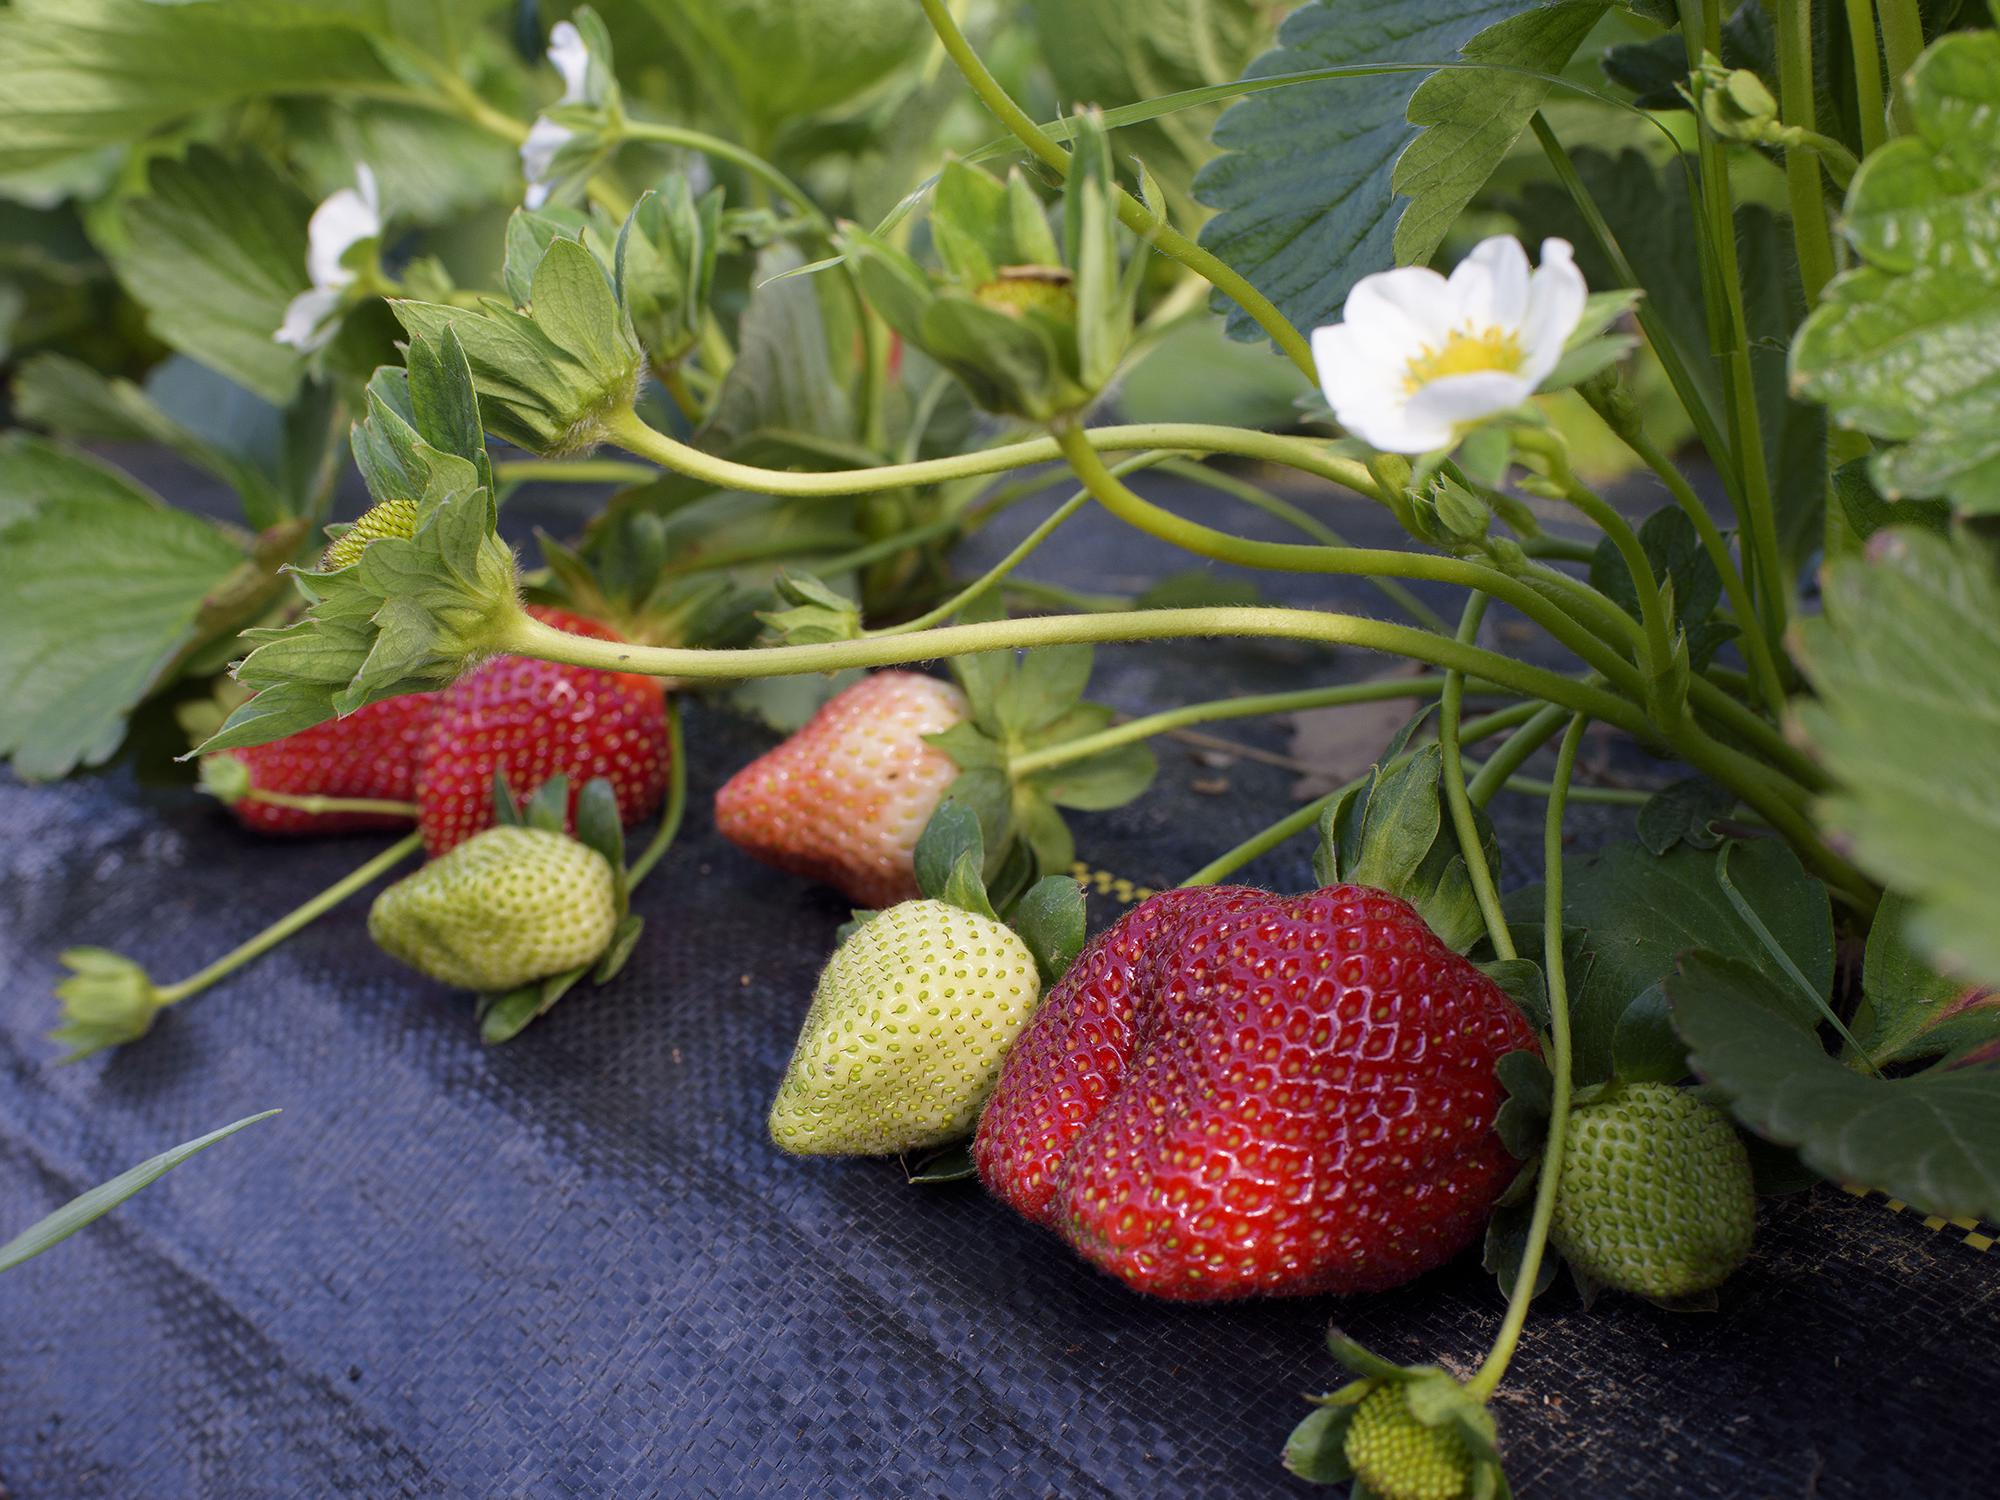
[845, 798]
[1234, 1093]
[531, 720]
[370, 753]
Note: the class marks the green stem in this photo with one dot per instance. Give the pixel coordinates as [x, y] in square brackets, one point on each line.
[1206, 541]
[1375, 690]
[1300, 819]
[573, 471]
[1867, 56]
[1902, 43]
[1802, 180]
[285, 926]
[1487, 1380]
[317, 804]
[1764, 669]
[1470, 847]
[726, 150]
[1133, 214]
[676, 808]
[1305, 454]
[1608, 796]
[1299, 520]
[1533, 733]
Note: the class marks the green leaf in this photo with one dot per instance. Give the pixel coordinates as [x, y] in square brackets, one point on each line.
[34, 471]
[1684, 812]
[100, 594]
[1866, 512]
[82, 74]
[1097, 783]
[1306, 190]
[1674, 548]
[1907, 347]
[100, 1200]
[1932, 1140]
[1048, 682]
[1906, 663]
[1524, 1115]
[1392, 834]
[1522, 981]
[1644, 1046]
[1908, 1010]
[215, 249]
[1049, 918]
[1639, 912]
[784, 376]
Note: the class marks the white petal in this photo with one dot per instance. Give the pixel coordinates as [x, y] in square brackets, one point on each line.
[1354, 370]
[1489, 288]
[538, 157]
[339, 224]
[1396, 428]
[364, 182]
[307, 322]
[1403, 309]
[572, 59]
[1455, 400]
[1556, 295]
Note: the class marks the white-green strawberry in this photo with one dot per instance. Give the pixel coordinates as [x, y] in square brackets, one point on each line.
[505, 907]
[1400, 1458]
[1655, 1195]
[909, 1025]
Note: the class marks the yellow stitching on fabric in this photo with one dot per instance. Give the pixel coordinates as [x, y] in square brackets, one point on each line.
[1973, 1235]
[1105, 883]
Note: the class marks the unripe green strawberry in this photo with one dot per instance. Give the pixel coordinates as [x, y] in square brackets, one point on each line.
[1018, 289]
[1398, 1457]
[1655, 1195]
[909, 1025]
[386, 518]
[505, 907]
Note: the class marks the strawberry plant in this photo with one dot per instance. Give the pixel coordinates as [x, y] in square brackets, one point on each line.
[1486, 255]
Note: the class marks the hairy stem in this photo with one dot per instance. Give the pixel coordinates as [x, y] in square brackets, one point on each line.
[1802, 179]
[676, 808]
[1470, 848]
[1902, 43]
[1487, 1380]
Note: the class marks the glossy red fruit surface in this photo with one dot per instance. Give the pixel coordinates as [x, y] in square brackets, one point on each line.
[1234, 1093]
[533, 719]
[845, 799]
[370, 753]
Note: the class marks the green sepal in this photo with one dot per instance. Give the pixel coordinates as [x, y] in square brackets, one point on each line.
[1316, 1451]
[664, 265]
[107, 1000]
[941, 1164]
[507, 811]
[503, 1017]
[1391, 834]
[815, 613]
[599, 827]
[1645, 1048]
[1506, 1244]
[1360, 1360]
[1523, 1118]
[950, 859]
[1049, 918]
[1521, 979]
[548, 808]
[624, 938]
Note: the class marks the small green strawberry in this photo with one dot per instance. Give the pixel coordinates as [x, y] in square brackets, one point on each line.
[504, 908]
[386, 518]
[908, 1027]
[1655, 1195]
[1398, 1457]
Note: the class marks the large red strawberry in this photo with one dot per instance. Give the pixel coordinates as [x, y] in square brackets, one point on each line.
[371, 753]
[845, 798]
[1235, 1093]
[530, 720]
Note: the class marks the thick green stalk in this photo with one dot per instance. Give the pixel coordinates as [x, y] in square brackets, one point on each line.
[1133, 214]
[1533, 732]
[573, 471]
[318, 805]
[630, 433]
[676, 808]
[285, 926]
[1902, 43]
[1802, 179]
[1867, 57]
[1487, 1380]
[1375, 690]
[1470, 848]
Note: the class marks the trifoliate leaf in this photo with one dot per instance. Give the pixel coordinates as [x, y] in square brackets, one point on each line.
[1638, 913]
[101, 591]
[1907, 719]
[1324, 183]
[1932, 1140]
[1907, 347]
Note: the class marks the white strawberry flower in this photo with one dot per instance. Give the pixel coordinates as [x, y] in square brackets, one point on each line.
[1417, 359]
[571, 57]
[348, 218]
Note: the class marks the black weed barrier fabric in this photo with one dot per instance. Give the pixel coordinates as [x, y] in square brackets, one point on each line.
[574, 1265]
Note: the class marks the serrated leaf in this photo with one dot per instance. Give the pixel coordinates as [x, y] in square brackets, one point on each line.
[795, 58]
[1932, 1140]
[1907, 719]
[1639, 912]
[1684, 812]
[1908, 1010]
[1907, 347]
[1521, 979]
[99, 596]
[1674, 549]
[785, 377]
[1049, 918]
[1046, 684]
[1644, 1045]
[1109, 779]
[101, 1199]
[1304, 187]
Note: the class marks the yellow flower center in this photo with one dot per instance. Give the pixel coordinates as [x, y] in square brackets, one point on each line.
[1465, 352]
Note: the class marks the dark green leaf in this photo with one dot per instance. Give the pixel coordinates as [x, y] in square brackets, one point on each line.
[1049, 918]
[797, 58]
[1932, 1140]
[1507, 1245]
[1866, 512]
[100, 1200]
[1684, 813]
[785, 375]
[1674, 548]
[952, 834]
[1644, 1046]
[1908, 1010]
[1110, 778]
[940, 1165]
